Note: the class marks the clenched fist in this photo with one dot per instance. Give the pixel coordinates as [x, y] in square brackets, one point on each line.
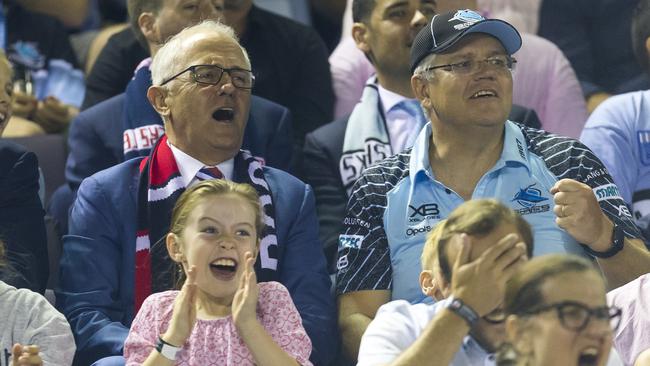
[579, 213]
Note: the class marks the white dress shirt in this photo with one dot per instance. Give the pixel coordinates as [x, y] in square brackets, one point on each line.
[402, 127]
[188, 166]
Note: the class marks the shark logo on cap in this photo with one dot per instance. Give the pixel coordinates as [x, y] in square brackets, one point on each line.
[467, 16]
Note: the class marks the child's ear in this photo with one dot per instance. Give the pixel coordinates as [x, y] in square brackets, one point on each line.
[428, 284]
[174, 248]
[443, 287]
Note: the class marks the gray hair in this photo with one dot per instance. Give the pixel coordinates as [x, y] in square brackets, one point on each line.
[421, 70]
[166, 61]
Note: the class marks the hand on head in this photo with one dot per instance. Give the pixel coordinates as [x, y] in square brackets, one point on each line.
[184, 314]
[26, 355]
[481, 283]
[244, 303]
[579, 213]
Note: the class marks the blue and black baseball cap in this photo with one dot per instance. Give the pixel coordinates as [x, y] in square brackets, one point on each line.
[445, 30]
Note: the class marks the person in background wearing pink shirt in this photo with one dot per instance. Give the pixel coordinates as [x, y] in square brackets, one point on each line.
[632, 338]
[221, 315]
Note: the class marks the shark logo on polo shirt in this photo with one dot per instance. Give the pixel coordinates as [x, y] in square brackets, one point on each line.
[532, 200]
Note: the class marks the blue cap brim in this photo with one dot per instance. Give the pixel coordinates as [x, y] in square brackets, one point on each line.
[504, 32]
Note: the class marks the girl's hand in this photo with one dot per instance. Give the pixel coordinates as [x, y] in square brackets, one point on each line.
[184, 315]
[244, 303]
[26, 355]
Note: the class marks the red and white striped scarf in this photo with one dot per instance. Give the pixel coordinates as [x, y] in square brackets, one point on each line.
[159, 187]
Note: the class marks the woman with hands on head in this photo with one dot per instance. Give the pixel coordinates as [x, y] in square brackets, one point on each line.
[557, 314]
[221, 315]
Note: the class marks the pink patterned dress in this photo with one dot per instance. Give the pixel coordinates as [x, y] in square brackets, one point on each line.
[216, 342]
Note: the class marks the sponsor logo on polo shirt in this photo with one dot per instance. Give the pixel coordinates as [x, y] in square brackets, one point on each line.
[427, 211]
[607, 192]
[350, 241]
[412, 231]
[624, 211]
[342, 262]
[520, 148]
[353, 221]
[531, 199]
[595, 174]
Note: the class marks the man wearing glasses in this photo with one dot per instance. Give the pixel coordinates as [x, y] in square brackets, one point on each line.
[462, 78]
[114, 256]
[385, 121]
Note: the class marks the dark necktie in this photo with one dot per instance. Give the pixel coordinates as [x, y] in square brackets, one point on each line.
[209, 173]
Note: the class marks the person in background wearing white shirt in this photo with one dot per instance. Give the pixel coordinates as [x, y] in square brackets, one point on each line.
[32, 332]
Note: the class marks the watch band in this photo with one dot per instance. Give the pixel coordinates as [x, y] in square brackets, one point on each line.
[618, 240]
[167, 350]
[462, 310]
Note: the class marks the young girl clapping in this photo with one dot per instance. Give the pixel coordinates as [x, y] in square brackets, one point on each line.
[221, 316]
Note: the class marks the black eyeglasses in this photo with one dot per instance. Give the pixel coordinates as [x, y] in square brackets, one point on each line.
[576, 316]
[212, 74]
[499, 62]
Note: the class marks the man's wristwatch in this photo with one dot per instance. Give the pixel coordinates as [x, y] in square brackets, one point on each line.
[461, 309]
[167, 350]
[618, 239]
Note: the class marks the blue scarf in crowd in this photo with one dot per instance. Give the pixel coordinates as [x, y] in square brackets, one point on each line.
[141, 124]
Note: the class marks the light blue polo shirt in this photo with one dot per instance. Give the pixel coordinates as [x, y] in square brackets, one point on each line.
[618, 132]
[398, 201]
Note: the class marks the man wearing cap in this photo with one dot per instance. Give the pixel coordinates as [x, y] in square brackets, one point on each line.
[462, 76]
[386, 120]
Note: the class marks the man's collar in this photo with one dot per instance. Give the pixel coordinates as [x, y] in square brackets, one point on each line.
[188, 166]
[419, 163]
[144, 63]
[514, 150]
[388, 98]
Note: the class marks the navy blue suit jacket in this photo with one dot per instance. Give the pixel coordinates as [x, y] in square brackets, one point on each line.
[320, 169]
[96, 286]
[22, 227]
[95, 139]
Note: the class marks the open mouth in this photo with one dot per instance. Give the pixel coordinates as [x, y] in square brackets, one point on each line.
[485, 93]
[224, 115]
[588, 357]
[224, 268]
